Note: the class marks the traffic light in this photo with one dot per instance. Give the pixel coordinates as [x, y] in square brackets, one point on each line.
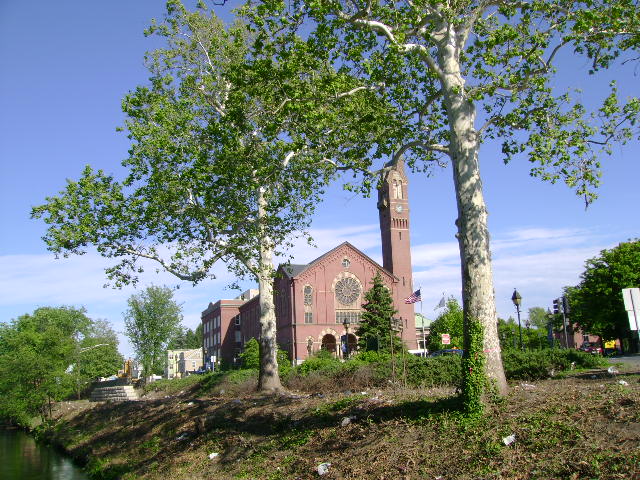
[556, 306]
[565, 305]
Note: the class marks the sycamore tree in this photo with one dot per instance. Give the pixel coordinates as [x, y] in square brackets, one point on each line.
[374, 331]
[151, 321]
[229, 154]
[459, 73]
[596, 302]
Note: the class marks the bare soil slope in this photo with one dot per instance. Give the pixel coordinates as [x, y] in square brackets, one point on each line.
[584, 426]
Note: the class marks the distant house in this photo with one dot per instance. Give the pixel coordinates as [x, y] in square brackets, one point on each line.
[179, 363]
[423, 328]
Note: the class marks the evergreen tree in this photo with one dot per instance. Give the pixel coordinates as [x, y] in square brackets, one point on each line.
[374, 331]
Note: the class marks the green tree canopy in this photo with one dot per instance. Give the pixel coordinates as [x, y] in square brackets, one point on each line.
[374, 331]
[151, 320]
[596, 302]
[460, 73]
[230, 151]
[36, 351]
[538, 317]
[450, 321]
[96, 355]
[186, 338]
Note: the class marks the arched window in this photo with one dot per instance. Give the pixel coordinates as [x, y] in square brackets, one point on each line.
[308, 295]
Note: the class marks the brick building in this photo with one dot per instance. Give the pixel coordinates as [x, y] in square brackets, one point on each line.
[314, 300]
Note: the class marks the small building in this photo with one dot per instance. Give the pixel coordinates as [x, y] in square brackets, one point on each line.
[182, 362]
[423, 328]
[575, 337]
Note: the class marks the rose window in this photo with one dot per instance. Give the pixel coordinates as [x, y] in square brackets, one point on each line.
[347, 291]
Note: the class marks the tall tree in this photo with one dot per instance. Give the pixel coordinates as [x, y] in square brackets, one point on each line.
[186, 338]
[461, 72]
[538, 317]
[228, 159]
[374, 331]
[96, 355]
[152, 319]
[36, 351]
[596, 302]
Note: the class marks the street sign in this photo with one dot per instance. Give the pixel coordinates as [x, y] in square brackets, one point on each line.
[446, 339]
[631, 297]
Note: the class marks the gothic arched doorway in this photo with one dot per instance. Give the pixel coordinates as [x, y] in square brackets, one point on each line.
[329, 343]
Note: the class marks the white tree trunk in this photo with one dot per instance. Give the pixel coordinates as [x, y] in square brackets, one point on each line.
[269, 377]
[478, 294]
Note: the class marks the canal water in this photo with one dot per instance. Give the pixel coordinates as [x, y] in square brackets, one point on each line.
[21, 458]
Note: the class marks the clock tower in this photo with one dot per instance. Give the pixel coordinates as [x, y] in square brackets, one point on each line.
[393, 208]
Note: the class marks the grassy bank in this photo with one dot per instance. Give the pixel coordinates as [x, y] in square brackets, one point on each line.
[586, 425]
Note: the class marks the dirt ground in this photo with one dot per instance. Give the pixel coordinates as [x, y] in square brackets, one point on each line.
[584, 426]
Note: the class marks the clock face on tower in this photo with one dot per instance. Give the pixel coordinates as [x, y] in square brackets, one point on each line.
[399, 208]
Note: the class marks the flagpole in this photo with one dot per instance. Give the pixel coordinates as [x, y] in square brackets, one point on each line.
[424, 337]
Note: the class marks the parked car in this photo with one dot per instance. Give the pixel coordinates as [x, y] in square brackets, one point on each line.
[591, 348]
[448, 351]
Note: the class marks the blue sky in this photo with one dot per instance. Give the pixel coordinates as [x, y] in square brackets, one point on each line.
[65, 68]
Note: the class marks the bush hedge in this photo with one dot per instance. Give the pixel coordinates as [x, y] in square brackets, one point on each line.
[370, 368]
[537, 364]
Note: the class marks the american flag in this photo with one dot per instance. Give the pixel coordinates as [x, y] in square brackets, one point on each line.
[414, 297]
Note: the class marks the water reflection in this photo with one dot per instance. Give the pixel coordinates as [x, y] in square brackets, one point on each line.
[21, 458]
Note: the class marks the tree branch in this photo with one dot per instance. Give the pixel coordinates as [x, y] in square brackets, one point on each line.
[191, 277]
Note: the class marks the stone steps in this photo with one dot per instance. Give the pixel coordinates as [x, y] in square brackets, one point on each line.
[120, 393]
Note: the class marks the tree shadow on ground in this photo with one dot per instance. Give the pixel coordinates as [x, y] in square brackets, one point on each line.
[135, 436]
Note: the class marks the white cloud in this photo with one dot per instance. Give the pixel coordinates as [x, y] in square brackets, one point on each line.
[539, 262]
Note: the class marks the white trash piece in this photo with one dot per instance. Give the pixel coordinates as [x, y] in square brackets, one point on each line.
[323, 468]
[527, 385]
[622, 382]
[346, 421]
[612, 370]
[509, 439]
[213, 455]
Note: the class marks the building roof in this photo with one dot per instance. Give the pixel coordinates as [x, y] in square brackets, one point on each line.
[422, 321]
[294, 270]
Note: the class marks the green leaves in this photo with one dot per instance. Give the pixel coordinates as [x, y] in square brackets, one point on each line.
[44, 358]
[374, 330]
[450, 321]
[596, 302]
[151, 321]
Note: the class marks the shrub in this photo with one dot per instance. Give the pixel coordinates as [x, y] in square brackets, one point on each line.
[371, 356]
[250, 358]
[427, 372]
[537, 364]
[323, 361]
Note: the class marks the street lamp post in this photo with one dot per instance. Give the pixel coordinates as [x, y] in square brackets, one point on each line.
[346, 322]
[550, 336]
[517, 300]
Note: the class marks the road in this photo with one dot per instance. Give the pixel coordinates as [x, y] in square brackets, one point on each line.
[630, 361]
